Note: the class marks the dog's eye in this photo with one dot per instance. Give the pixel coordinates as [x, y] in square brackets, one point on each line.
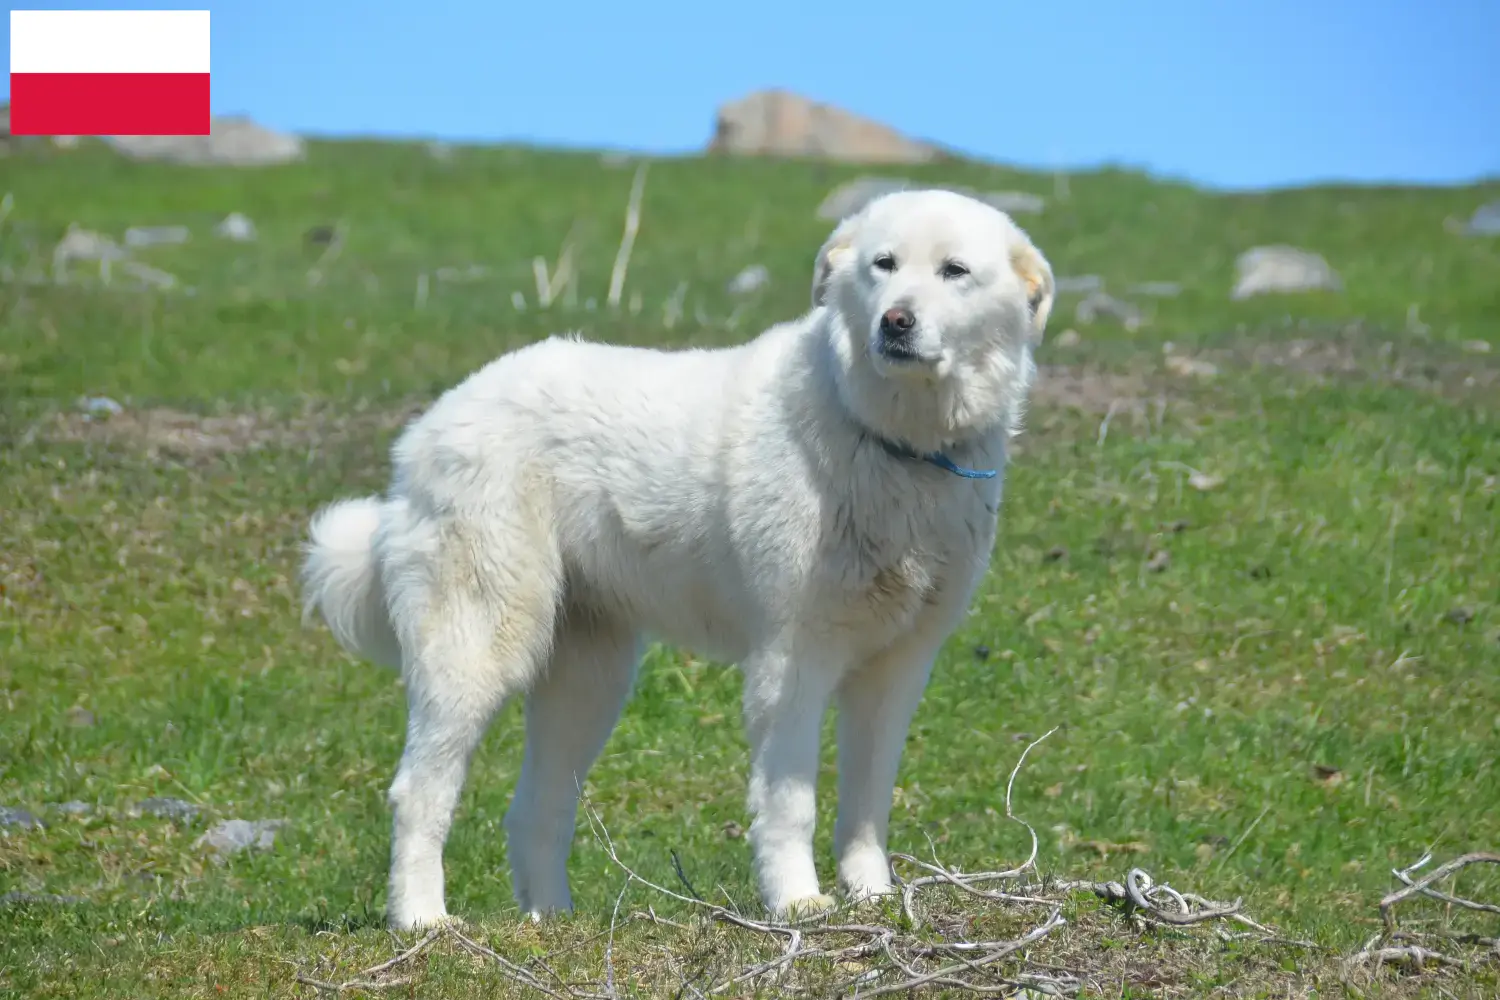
[884, 262]
[953, 269]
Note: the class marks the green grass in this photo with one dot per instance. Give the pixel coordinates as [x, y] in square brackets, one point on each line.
[1333, 604]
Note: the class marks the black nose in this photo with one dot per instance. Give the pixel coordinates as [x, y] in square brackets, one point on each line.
[897, 322]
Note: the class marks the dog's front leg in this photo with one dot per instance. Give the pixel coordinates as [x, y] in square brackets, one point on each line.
[784, 702]
[875, 704]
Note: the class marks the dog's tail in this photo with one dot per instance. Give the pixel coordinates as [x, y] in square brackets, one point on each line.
[341, 579]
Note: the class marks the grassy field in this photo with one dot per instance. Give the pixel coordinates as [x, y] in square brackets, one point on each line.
[1262, 605]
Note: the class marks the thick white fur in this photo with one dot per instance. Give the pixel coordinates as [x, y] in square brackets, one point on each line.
[569, 497]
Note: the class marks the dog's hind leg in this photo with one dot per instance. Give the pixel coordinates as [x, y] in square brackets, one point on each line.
[479, 634]
[569, 715]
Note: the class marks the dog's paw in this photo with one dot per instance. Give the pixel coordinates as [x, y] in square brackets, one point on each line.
[425, 923]
[867, 895]
[809, 906]
[537, 916]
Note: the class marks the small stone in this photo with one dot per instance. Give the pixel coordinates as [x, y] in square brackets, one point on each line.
[1069, 338]
[1160, 560]
[1203, 481]
[751, 279]
[235, 835]
[155, 236]
[1459, 616]
[1477, 346]
[80, 717]
[1282, 269]
[981, 652]
[1485, 221]
[1014, 202]
[848, 198]
[17, 817]
[165, 808]
[1077, 284]
[236, 227]
[733, 831]
[1098, 305]
[1056, 553]
[1181, 364]
[99, 406]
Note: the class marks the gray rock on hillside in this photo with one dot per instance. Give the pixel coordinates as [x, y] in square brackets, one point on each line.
[849, 197]
[233, 141]
[779, 123]
[1281, 269]
[1485, 221]
[235, 835]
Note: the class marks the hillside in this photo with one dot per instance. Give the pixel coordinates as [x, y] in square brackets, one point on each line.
[1248, 568]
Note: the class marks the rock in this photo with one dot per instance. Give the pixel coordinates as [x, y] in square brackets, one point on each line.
[234, 141]
[95, 407]
[78, 715]
[1077, 284]
[12, 816]
[779, 123]
[1181, 364]
[1098, 305]
[1204, 481]
[74, 808]
[1281, 269]
[849, 197]
[751, 279]
[152, 236]
[236, 227]
[1068, 338]
[79, 244]
[173, 809]
[235, 835]
[1485, 221]
[1013, 202]
[1157, 289]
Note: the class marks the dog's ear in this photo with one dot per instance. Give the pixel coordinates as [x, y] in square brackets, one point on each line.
[1036, 275]
[836, 250]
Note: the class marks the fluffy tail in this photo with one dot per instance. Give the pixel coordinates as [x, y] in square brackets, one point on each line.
[341, 579]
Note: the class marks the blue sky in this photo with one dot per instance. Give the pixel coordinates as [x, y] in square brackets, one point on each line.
[1225, 93]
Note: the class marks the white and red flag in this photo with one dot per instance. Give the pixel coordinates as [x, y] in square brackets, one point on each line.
[109, 72]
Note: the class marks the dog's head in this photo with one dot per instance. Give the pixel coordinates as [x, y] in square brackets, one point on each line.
[935, 291]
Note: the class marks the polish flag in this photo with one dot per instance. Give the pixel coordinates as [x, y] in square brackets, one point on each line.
[109, 72]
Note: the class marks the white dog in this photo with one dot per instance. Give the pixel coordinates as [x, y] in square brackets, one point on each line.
[816, 505]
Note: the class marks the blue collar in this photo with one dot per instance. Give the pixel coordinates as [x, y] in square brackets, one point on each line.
[936, 458]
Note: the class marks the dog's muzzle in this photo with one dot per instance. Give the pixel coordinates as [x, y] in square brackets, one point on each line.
[897, 326]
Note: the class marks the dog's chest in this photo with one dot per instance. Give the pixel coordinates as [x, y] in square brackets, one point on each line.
[889, 562]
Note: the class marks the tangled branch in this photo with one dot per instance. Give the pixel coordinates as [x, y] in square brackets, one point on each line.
[1414, 950]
